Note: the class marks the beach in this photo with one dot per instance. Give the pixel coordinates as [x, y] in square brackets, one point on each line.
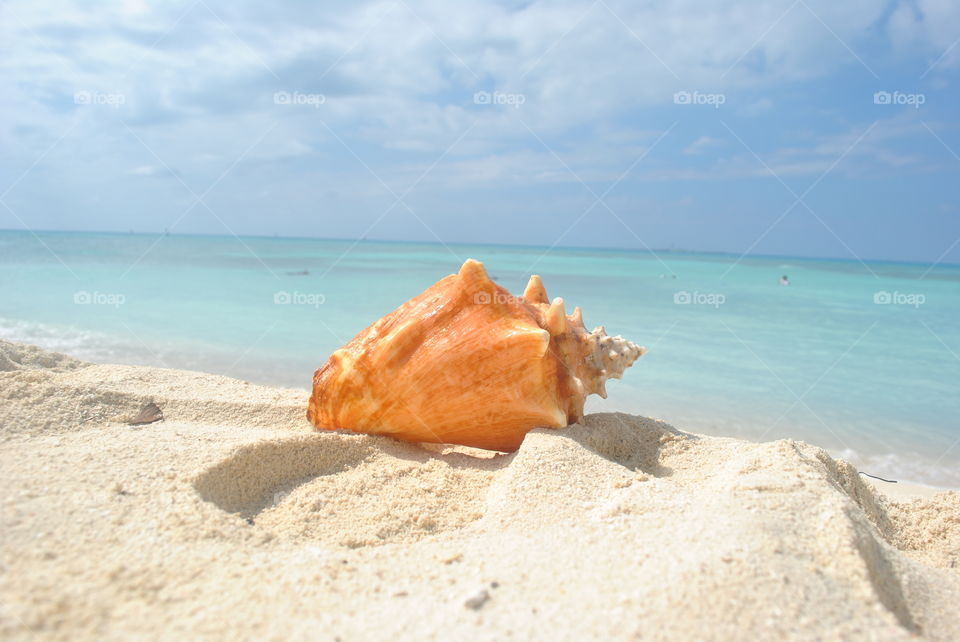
[233, 518]
[671, 290]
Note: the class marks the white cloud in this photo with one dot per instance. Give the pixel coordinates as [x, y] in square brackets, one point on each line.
[146, 170]
[702, 143]
[411, 69]
[933, 26]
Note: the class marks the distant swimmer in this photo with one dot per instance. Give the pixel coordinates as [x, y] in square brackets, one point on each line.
[301, 273]
[784, 280]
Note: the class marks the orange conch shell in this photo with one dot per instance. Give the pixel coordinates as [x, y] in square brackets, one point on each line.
[466, 362]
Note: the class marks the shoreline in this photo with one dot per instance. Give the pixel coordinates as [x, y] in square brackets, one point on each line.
[916, 487]
[232, 517]
[694, 424]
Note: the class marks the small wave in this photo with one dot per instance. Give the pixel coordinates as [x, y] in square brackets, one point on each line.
[99, 347]
[911, 468]
[82, 344]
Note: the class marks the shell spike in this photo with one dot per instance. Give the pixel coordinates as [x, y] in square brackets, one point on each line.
[602, 389]
[557, 318]
[535, 292]
[577, 317]
[473, 270]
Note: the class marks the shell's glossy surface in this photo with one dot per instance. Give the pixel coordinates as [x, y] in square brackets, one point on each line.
[466, 362]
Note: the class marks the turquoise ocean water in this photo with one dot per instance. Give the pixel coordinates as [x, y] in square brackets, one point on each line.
[863, 360]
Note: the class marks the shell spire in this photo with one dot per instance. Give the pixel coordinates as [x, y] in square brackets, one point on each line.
[466, 362]
[613, 355]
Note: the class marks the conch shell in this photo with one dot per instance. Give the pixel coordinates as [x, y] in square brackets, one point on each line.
[466, 362]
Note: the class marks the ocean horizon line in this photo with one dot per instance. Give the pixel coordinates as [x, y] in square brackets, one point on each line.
[648, 251]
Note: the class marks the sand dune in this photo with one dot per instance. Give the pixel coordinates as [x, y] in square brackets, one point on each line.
[232, 518]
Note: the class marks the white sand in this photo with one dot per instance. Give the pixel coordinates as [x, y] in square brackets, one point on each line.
[232, 519]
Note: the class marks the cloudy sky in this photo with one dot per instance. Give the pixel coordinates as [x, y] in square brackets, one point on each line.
[802, 127]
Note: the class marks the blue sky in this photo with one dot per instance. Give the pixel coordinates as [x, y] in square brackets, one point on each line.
[721, 126]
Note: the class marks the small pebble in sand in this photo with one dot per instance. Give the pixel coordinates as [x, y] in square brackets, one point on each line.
[477, 600]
